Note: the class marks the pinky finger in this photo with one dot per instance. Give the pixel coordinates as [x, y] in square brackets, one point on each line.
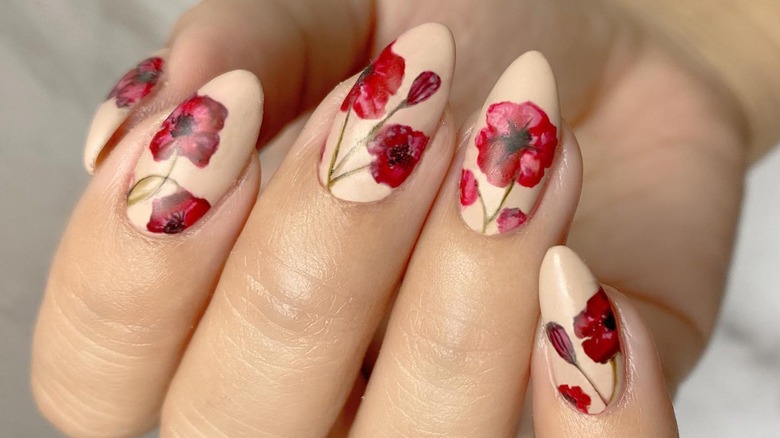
[595, 368]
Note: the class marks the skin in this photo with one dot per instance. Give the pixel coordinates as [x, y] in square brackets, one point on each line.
[663, 152]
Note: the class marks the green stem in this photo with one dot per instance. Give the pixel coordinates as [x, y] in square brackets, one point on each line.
[165, 178]
[495, 214]
[334, 180]
[595, 388]
[336, 150]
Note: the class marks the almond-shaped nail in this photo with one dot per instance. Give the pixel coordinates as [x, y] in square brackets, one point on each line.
[385, 122]
[511, 148]
[196, 154]
[128, 91]
[580, 331]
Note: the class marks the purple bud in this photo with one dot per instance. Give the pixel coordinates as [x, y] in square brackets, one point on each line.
[425, 86]
[560, 341]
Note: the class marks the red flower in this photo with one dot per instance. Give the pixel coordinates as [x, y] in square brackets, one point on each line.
[509, 219]
[192, 130]
[137, 83]
[469, 188]
[518, 143]
[560, 340]
[425, 86]
[175, 213]
[397, 149]
[597, 323]
[576, 396]
[380, 80]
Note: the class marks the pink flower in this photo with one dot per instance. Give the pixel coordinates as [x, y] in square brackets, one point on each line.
[576, 396]
[509, 219]
[517, 144]
[597, 325]
[137, 83]
[560, 340]
[425, 86]
[380, 80]
[175, 213]
[192, 131]
[397, 149]
[469, 188]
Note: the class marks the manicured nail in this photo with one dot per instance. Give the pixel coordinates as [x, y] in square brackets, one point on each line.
[511, 149]
[385, 123]
[134, 86]
[581, 332]
[196, 155]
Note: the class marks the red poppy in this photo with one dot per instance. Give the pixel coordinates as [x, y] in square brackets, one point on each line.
[192, 130]
[423, 87]
[380, 80]
[576, 396]
[560, 340]
[597, 324]
[175, 213]
[137, 83]
[509, 219]
[397, 149]
[469, 188]
[517, 144]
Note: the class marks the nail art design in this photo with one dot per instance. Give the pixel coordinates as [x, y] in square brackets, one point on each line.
[580, 328]
[385, 122]
[512, 148]
[128, 91]
[196, 154]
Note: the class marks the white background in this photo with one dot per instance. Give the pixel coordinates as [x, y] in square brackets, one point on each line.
[57, 61]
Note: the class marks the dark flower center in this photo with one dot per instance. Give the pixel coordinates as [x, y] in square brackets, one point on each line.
[517, 139]
[175, 223]
[146, 77]
[399, 155]
[609, 321]
[569, 398]
[184, 125]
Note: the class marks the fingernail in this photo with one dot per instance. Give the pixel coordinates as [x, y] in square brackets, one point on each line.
[128, 91]
[583, 344]
[196, 154]
[385, 122]
[512, 148]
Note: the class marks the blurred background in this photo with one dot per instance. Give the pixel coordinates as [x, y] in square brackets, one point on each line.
[59, 58]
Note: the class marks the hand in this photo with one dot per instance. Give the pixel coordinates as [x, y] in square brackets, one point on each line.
[201, 51]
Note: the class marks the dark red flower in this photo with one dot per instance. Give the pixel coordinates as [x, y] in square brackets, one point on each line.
[517, 144]
[192, 130]
[175, 213]
[560, 340]
[509, 219]
[425, 86]
[576, 396]
[397, 149]
[380, 80]
[469, 188]
[597, 324]
[137, 83]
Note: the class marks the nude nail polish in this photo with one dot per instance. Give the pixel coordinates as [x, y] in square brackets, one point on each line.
[512, 147]
[135, 85]
[386, 121]
[583, 343]
[196, 155]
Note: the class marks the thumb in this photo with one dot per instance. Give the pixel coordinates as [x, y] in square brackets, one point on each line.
[595, 368]
[296, 55]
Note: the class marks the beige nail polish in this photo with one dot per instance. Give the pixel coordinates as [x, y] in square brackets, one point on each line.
[386, 121]
[583, 343]
[512, 147]
[135, 85]
[196, 154]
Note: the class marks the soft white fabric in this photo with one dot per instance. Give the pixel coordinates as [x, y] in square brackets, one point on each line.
[60, 57]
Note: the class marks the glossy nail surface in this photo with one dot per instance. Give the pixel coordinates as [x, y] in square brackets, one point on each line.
[128, 91]
[583, 344]
[385, 122]
[196, 154]
[511, 149]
